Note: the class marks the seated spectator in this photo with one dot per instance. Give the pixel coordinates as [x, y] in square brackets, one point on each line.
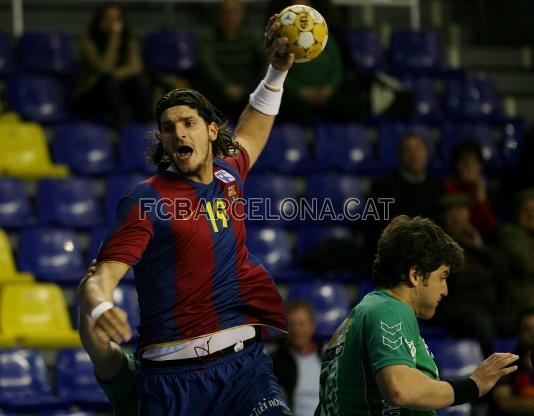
[523, 177]
[231, 60]
[297, 360]
[111, 86]
[517, 242]
[415, 190]
[332, 86]
[514, 395]
[472, 307]
[467, 166]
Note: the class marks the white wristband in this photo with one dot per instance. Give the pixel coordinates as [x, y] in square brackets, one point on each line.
[99, 309]
[264, 98]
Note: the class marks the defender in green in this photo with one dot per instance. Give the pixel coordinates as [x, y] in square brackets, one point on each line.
[377, 363]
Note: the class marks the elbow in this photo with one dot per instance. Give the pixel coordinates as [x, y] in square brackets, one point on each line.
[396, 396]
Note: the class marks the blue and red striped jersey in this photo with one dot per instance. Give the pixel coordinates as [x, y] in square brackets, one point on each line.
[193, 273]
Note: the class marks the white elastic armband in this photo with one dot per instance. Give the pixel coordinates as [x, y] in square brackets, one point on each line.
[99, 309]
[267, 96]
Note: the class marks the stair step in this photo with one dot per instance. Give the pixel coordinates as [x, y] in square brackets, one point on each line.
[495, 58]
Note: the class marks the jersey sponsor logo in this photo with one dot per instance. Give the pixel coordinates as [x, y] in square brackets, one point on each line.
[393, 344]
[390, 410]
[224, 176]
[411, 347]
[391, 330]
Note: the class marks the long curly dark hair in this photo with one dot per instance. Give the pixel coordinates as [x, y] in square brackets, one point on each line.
[418, 243]
[101, 39]
[224, 145]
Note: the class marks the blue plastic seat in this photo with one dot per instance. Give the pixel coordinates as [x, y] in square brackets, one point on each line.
[171, 52]
[117, 187]
[268, 199]
[482, 134]
[474, 98]
[513, 133]
[457, 358]
[465, 409]
[136, 138]
[50, 52]
[6, 54]
[271, 246]
[344, 147]
[76, 381]
[67, 413]
[15, 207]
[37, 97]
[51, 254]
[338, 197]
[86, 148]
[427, 103]
[311, 236]
[330, 302]
[24, 383]
[366, 48]
[390, 136]
[417, 51]
[70, 202]
[285, 152]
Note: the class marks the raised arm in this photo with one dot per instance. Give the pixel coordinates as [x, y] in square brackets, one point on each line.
[408, 387]
[256, 120]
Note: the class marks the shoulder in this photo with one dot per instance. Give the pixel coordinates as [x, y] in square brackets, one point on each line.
[384, 310]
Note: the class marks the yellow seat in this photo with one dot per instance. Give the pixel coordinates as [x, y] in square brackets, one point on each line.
[8, 271]
[9, 117]
[36, 316]
[24, 152]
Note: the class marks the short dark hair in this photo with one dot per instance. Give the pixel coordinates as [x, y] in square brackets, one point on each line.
[465, 146]
[413, 242]
[224, 144]
[296, 304]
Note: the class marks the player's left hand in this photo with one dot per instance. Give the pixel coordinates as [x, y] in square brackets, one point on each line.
[275, 46]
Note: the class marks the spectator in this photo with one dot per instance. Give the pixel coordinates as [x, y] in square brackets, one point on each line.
[111, 85]
[297, 362]
[515, 394]
[517, 242]
[467, 165]
[472, 308]
[231, 59]
[523, 177]
[415, 190]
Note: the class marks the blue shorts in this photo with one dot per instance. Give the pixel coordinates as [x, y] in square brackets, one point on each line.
[239, 384]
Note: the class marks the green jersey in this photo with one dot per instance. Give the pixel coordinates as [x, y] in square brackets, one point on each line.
[121, 391]
[380, 331]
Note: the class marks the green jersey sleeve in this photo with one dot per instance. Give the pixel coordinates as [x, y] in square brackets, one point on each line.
[391, 333]
[121, 391]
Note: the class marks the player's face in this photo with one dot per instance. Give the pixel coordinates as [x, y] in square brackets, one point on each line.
[430, 291]
[187, 140]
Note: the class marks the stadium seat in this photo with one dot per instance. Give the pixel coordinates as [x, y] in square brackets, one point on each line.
[268, 196]
[86, 148]
[483, 134]
[366, 48]
[37, 98]
[335, 196]
[67, 413]
[8, 270]
[15, 207]
[271, 246]
[473, 97]
[344, 147]
[465, 409]
[76, 381]
[457, 358]
[330, 303]
[24, 385]
[9, 117]
[171, 52]
[69, 202]
[49, 52]
[135, 140]
[427, 103]
[24, 152]
[285, 152]
[51, 254]
[6, 54]
[416, 51]
[513, 133]
[390, 136]
[117, 187]
[311, 236]
[36, 316]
